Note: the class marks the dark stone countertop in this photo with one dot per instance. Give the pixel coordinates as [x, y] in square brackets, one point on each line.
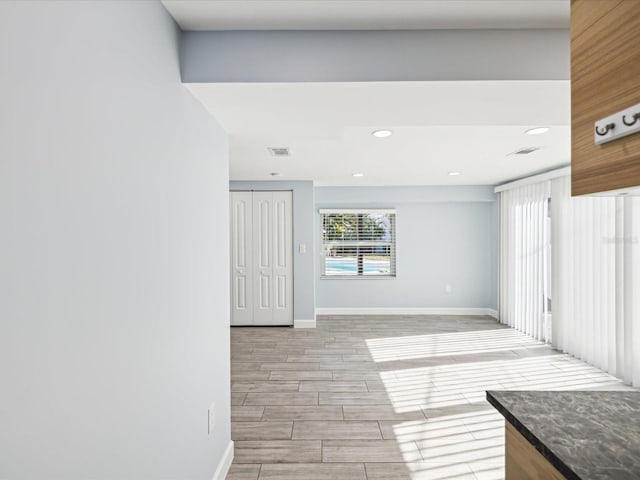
[591, 435]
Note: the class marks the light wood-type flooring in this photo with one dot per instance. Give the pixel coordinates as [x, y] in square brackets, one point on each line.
[384, 397]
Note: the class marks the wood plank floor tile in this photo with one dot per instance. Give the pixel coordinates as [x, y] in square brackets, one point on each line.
[237, 398]
[291, 349]
[299, 375]
[261, 431]
[259, 357]
[243, 472]
[238, 367]
[249, 376]
[265, 386]
[487, 471]
[368, 398]
[336, 430]
[325, 412]
[463, 449]
[375, 386]
[358, 376]
[357, 358]
[287, 398]
[246, 413]
[336, 351]
[314, 471]
[339, 365]
[379, 412]
[335, 345]
[387, 471]
[277, 348]
[420, 471]
[310, 386]
[313, 358]
[278, 451]
[457, 410]
[445, 430]
[369, 451]
[282, 366]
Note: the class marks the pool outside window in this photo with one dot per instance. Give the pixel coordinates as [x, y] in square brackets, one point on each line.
[358, 243]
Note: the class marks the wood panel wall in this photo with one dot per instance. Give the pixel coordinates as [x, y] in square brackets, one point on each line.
[605, 78]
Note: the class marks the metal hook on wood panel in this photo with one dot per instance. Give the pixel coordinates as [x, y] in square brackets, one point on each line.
[607, 128]
[635, 117]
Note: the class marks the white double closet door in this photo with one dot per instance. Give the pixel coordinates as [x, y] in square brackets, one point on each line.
[261, 258]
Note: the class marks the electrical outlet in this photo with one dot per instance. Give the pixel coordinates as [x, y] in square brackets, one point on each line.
[212, 418]
[302, 248]
[447, 288]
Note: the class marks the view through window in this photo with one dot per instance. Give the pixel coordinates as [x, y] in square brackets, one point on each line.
[358, 243]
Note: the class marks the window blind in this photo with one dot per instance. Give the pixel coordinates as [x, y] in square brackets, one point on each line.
[596, 279]
[358, 243]
[595, 273]
[525, 263]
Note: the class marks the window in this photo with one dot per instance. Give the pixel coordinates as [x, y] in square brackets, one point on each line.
[358, 243]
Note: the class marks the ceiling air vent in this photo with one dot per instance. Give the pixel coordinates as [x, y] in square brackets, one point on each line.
[279, 151]
[525, 151]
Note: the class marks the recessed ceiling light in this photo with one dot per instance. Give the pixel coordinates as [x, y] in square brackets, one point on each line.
[454, 174]
[382, 133]
[537, 130]
[275, 174]
[358, 174]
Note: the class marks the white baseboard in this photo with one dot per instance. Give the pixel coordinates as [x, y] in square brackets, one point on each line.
[304, 323]
[225, 463]
[407, 311]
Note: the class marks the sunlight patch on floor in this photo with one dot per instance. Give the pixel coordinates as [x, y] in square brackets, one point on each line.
[454, 446]
[444, 344]
[446, 376]
[466, 383]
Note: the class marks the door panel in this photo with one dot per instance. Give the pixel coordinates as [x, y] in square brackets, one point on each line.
[280, 240]
[241, 256]
[263, 230]
[263, 248]
[283, 262]
[241, 293]
[265, 292]
[281, 292]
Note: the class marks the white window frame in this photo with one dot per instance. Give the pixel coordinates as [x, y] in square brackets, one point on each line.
[364, 211]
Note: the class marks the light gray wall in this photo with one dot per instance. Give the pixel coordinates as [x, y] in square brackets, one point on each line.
[356, 56]
[114, 302]
[445, 235]
[303, 232]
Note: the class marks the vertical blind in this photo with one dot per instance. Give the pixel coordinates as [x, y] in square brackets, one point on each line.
[596, 274]
[583, 263]
[525, 259]
[358, 243]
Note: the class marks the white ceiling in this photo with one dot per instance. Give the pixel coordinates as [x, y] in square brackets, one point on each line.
[367, 14]
[438, 127]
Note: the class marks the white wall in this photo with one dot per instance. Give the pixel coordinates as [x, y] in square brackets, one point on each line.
[445, 236]
[114, 296]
